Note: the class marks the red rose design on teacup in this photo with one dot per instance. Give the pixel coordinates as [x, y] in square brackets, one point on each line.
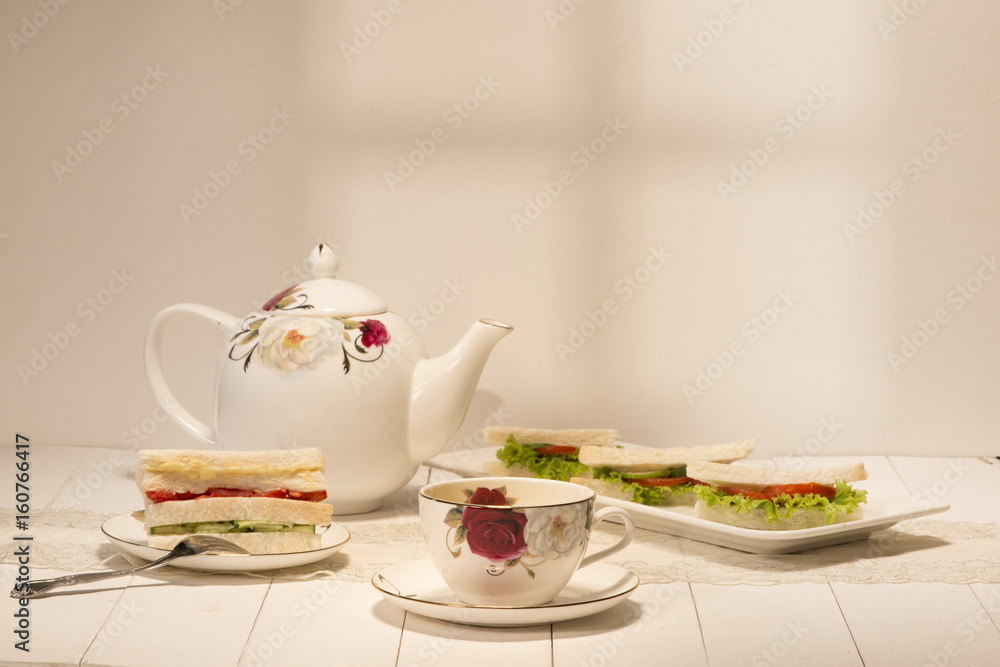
[494, 534]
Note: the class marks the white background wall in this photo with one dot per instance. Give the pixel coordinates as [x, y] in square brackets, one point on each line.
[841, 98]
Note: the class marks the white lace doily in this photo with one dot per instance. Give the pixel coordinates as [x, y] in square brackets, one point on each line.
[912, 551]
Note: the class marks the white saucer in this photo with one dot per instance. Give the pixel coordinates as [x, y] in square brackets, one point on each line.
[416, 586]
[128, 533]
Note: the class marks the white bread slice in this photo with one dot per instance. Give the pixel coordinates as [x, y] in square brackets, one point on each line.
[195, 470]
[757, 518]
[497, 435]
[617, 491]
[255, 543]
[651, 460]
[237, 508]
[754, 478]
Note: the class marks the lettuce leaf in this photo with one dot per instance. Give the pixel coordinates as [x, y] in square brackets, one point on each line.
[844, 501]
[552, 466]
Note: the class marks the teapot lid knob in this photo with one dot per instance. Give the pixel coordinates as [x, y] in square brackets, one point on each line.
[324, 261]
[324, 295]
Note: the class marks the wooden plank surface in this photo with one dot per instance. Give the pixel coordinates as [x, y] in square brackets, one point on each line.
[49, 469]
[970, 486]
[657, 621]
[191, 620]
[428, 641]
[102, 481]
[919, 624]
[324, 622]
[62, 627]
[791, 624]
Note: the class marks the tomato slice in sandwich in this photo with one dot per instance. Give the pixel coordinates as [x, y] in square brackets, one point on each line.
[222, 492]
[658, 481]
[161, 496]
[776, 490]
[546, 450]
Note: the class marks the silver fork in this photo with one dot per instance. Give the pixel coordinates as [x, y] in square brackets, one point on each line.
[189, 546]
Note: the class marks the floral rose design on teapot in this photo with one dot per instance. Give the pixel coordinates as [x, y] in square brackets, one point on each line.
[515, 537]
[305, 343]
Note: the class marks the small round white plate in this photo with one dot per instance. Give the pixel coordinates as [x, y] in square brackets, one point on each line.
[129, 534]
[416, 586]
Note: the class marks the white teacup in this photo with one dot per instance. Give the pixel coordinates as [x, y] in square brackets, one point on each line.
[512, 541]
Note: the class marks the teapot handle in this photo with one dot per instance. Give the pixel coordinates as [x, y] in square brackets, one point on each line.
[154, 371]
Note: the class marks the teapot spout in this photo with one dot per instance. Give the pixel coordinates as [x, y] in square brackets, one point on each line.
[443, 389]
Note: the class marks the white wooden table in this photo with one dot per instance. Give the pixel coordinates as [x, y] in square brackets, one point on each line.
[226, 619]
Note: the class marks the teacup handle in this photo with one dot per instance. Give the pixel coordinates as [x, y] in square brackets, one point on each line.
[602, 515]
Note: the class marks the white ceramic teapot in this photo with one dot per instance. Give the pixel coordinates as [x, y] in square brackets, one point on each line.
[325, 364]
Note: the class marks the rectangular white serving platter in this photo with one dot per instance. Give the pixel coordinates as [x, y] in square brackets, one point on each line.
[879, 513]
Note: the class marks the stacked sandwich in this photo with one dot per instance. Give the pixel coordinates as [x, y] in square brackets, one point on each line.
[544, 453]
[265, 501]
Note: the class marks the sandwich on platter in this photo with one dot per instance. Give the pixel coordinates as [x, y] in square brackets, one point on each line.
[545, 453]
[653, 476]
[593, 457]
[267, 502]
[777, 499]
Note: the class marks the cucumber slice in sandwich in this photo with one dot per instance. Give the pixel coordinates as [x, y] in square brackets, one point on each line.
[224, 527]
[666, 472]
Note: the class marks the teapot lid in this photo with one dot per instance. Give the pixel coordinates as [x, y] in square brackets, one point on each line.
[324, 295]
